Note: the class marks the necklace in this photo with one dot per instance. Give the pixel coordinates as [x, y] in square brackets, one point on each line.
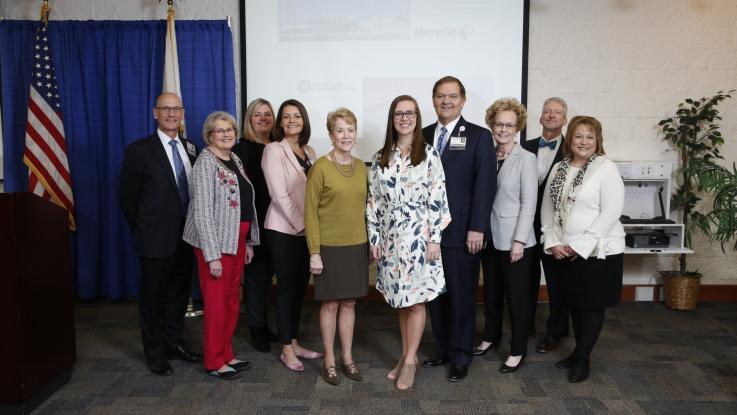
[345, 170]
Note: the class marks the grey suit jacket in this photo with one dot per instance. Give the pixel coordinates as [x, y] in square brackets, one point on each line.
[513, 212]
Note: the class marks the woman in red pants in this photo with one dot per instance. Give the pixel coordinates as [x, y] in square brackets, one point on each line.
[221, 226]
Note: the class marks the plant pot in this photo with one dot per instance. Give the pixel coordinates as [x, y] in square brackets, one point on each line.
[681, 291]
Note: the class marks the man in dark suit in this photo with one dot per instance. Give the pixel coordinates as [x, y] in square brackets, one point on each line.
[469, 161]
[154, 196]
[548, 149]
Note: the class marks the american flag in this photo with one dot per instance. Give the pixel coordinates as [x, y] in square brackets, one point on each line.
[46, 151]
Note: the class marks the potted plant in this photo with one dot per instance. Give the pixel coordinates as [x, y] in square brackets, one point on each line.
[693, 131]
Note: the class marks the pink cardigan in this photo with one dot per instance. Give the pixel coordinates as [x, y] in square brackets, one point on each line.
[286, 181]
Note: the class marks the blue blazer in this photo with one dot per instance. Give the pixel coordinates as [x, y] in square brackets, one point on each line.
[470, 181]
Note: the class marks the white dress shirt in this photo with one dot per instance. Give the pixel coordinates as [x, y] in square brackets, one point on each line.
[450, 126]
[182, 153]
[545, 158]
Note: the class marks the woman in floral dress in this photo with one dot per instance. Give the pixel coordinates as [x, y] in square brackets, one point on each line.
[406, 213]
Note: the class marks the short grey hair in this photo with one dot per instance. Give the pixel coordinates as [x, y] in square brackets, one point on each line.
[209, 125]
[560, 101]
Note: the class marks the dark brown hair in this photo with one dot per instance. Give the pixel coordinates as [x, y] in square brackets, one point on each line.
[449, 79]
[583, 120]
[304, 135]
[417, 154]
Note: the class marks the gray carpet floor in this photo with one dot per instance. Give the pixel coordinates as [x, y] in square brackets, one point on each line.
[649, 360]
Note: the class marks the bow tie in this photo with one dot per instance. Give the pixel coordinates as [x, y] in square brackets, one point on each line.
[549, 144]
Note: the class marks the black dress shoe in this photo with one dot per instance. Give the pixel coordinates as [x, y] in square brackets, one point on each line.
[160, 367]
[183, 354]
[579, 371]
[227, 375]
[510, 369]
[260, 340]
[457, 373]
[548, 345]
[435, 361]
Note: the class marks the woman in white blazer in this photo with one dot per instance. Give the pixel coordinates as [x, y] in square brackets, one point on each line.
[507, 261]
[580, 212]
[285, 164]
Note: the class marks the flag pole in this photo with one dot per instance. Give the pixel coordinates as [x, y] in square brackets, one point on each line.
[174, 84]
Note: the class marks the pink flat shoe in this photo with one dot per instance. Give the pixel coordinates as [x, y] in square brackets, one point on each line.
[309, 355]
[297, 367]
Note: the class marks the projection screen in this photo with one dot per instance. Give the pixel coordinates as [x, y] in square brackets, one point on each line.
[362, 54]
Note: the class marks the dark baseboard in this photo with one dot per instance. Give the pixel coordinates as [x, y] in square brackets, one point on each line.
[721, 292]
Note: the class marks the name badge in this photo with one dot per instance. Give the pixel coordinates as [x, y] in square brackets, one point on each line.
[191, 149]
[457, 143]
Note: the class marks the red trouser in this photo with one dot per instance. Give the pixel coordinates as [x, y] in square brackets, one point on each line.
[222, 302]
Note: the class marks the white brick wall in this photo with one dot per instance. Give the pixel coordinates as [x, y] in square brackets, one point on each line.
[626, 62]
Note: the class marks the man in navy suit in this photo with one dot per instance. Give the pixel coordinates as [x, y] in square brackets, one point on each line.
[548, 149]
[469, 161]
[154, 196]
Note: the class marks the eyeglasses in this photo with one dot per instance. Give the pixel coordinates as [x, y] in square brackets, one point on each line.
[501, 126]
[410, 115]
[175, 110]
[227, 131]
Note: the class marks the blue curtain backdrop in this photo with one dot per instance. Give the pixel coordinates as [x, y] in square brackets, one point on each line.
[109, 75]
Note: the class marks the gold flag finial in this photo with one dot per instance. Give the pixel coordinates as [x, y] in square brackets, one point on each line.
[45, 11]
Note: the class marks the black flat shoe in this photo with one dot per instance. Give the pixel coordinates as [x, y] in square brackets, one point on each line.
[181, 353]
[227, 375]
[241, 366]
[160, 367]
[457, 373]
[480, 352]
[566, 363]
[509, 369]
[579, 371]
[435, 361]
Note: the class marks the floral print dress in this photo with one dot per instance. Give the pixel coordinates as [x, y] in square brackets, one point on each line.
[407, 208]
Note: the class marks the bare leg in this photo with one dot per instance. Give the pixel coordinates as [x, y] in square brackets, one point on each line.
[394, 374]
[346, 324]
[415, 328]
[328, 314]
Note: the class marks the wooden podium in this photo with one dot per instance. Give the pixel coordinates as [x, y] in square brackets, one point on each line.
[38, 348]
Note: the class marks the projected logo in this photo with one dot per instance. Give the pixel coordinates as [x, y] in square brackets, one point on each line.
[340, 20]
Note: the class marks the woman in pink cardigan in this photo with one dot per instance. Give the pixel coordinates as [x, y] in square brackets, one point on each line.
[285, 164]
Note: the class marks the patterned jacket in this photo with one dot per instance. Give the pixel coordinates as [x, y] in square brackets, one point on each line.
[214, 212]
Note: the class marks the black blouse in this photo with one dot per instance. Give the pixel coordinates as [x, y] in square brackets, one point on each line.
[245, 190]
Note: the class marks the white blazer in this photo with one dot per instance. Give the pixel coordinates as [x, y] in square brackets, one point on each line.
[513, 213]
[592, 226]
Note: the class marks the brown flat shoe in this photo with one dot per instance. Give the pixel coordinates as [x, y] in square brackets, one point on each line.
[331, 376]
[350, 370]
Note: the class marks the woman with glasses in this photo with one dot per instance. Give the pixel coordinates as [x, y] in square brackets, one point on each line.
[581, 206]
[335, 218]
[257, 127]
[286, 163]
[406, 212]
[221, 227]
[507, 260]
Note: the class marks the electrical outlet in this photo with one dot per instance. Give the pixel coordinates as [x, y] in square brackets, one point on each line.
[644, 293]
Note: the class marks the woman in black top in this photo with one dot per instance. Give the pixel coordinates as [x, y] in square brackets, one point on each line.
[257, 128]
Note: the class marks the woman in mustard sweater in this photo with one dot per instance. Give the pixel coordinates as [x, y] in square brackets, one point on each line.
[335, 223]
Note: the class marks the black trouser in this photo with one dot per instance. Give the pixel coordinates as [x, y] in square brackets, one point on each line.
[587, 326]
[453, 314]
[257, 285]
[165, 286]
[557, 323]
[291, 261]
[501, 276]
